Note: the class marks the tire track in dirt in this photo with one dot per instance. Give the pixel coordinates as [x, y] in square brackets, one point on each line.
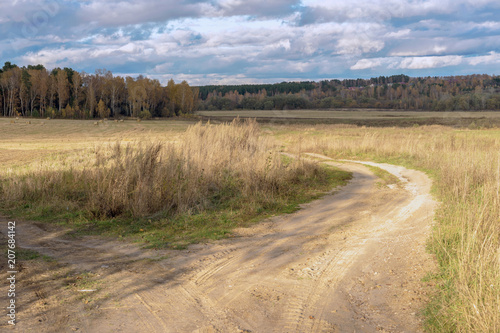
[321, 269]
[153, 313]
[418, 211]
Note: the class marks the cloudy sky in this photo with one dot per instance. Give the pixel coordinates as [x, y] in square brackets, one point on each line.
[253, 41]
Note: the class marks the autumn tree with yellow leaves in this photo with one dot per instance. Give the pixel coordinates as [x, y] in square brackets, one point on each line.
[34, 91]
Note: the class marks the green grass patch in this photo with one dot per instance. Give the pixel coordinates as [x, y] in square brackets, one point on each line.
[26, 254]
[386, 178]
[23, 254]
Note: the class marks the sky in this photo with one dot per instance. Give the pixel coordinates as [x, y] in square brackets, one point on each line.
[254, 41]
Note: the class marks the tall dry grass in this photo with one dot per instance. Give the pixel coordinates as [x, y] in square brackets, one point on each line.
[209, 165]
[466, 236]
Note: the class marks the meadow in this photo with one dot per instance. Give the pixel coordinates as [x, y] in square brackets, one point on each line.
[363, 117]
[172, 183]
[349, 113]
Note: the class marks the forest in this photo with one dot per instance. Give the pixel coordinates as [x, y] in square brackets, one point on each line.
[34, 91]
[398, 92]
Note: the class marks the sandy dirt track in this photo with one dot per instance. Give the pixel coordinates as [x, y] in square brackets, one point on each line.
[350, 262]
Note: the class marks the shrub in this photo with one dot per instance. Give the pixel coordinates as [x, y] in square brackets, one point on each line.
[145, 114]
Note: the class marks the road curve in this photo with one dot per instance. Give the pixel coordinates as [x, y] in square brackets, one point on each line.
[349, 262]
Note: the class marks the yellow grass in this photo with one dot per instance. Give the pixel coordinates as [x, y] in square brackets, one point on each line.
[21, 143]
[349, 114]
[205, 165]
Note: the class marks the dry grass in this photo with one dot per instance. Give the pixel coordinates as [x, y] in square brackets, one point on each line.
[209, 164]
[21, 143]
[349, 114]
[466, 237]
[363, 117]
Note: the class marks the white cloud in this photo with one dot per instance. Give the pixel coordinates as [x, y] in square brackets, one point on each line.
[284, 43]
[386, 9]
[368, 63]
[31, 11]
[409, 62]
[122, 12]
[256, 7]
[358, 45]
[338, 38]
[115, 39]
[398, 34]
[205, 79]
[421, 48]
[490, 59]
[430, 62]
[130, 48]
[52, 57]
[488, 25]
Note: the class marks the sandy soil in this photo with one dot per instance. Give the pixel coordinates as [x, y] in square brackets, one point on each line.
[352, 261]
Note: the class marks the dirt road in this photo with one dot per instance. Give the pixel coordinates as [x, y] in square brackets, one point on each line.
[349, 262]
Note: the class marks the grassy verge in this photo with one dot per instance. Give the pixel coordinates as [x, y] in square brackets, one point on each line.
[178, 231]
[385, 177]
[217, 222]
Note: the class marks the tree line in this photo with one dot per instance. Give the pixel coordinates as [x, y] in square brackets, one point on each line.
[33, 91]
[401, 92]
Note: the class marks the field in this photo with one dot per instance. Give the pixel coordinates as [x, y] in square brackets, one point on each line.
[22, 142]
[112, 181]
[363, 117]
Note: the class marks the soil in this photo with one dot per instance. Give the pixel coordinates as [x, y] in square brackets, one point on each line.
[352, 261]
